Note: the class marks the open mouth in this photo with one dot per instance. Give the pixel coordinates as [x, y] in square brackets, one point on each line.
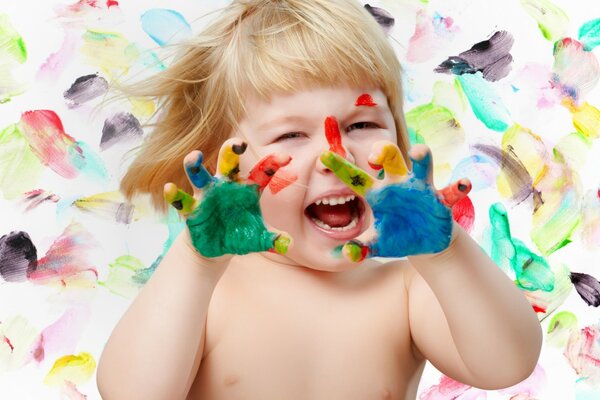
[338, 216]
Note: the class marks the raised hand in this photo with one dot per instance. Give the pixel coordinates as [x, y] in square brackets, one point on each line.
[411, 216]
[223, 215]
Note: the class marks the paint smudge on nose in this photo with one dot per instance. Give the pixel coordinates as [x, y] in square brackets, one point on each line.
[490, 57]
[365, 100]
[121, 273]
[165, 26]
[583, 354]
[552, 21]
[108, 206]
[18, 337]
[530, 270]
[575, 71]
[13, 53]
[589, 34]
[486, 103]
[66, 263]
[20, 169]
[383, 17]
[35, 198]
[432, 33]
[588, 288]
[561, 326]
[120, 128]
[18, 256]
[84, 89]
[334, 137]
[77, 369]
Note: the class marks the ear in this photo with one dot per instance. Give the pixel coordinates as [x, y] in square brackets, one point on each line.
[383, 18]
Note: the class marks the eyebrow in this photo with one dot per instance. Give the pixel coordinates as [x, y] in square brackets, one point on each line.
[282, 120]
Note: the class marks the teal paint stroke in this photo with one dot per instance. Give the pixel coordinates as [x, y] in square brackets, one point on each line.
[485, 102]
[589, 34]
[165, 26]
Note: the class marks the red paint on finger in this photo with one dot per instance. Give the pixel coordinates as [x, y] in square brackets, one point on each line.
[281, 180]
[334, 137]
[263, 172]
[463, 213]
[365, 100]
[376, 167]
[452, 194]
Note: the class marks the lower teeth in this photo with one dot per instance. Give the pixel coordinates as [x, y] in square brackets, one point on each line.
[351, 225]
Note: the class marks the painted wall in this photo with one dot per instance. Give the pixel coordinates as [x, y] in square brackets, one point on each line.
[504, 92]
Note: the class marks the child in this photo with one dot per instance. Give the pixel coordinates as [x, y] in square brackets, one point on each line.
[303, 99]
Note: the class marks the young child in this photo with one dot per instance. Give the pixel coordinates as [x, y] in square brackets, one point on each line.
[296, 106]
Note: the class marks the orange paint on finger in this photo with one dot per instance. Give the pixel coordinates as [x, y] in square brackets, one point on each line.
[281, 180]
[334, 137]
[266, 168]
[450, 195]
[365, 100]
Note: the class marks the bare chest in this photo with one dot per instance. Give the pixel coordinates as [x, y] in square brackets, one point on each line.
[294, 342]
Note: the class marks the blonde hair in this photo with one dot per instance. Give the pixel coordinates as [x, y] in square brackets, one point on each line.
[259, 47]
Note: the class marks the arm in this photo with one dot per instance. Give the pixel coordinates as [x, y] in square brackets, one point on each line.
[469, 319]
[155, 350]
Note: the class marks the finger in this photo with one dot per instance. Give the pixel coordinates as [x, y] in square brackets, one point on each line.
[452, 194]
[228, 163]
[183, 202]
[334, 137]
[357, 179]
[264, 170]
[387, 155]
[281, 243]
[360, 248]
[420, 156]
[198, 176]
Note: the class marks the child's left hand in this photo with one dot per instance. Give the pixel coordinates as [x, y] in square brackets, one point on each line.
[411, 216]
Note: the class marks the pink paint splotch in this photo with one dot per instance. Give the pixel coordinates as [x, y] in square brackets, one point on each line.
[432, 33]
[47, 138]
[576, 72]
[583, 354]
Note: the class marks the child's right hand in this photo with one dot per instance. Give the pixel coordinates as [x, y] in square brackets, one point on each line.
[223, 216]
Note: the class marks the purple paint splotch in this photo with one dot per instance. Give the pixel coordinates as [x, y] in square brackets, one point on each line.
[120, 127]
[18, 257]
[490, 57]
[84, 89]
[588, 288]
[383, 17]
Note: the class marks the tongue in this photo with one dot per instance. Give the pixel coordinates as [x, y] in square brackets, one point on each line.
[334, 216]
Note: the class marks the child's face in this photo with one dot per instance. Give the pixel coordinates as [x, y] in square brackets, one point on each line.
[295, 125]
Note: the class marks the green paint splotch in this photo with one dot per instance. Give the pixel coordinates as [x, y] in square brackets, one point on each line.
[486, 103]
[20, 168]
[13, 52]
[560, 328]
[530, 271]
[120, 276]
[552, 20]
[589, 34]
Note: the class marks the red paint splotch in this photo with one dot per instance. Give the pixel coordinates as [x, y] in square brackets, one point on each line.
[365, 100]
[463, 213]
[334, 137]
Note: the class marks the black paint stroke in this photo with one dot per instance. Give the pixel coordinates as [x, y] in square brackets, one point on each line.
[490, 57]
[588, 288]
[18, 256]
[383, 17]
[84, 89]
[120, 127]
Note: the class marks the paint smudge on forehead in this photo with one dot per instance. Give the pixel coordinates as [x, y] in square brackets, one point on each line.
[383, 18]
[552, 20]
[490, 57]
[365, 100]
[165, 26]
[121, 127]
[18, 257]
[589, 34]
[334, 137]
[84, 89]
[575, 71]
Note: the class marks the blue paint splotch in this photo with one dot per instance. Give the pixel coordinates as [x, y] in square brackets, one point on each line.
[165, 26]
[485, 101]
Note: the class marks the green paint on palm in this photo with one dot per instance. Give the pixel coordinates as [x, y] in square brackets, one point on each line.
[532, 272]
[229, 221]
[589, 34]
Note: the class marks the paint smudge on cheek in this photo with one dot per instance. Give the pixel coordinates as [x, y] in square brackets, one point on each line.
[165, 26]
[365, 100]
[18, 257]
[588, 288]
[84, 89]
[490, 57]
[552, 20]
[266, 168]
[121, 127]
[334, 137]
[281, 180]
[575, 71]
[383, 17]
[589, 34]
[583, 354]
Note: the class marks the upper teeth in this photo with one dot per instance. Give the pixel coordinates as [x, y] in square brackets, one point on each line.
[332, 201]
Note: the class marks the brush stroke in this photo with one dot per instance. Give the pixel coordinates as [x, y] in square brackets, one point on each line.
[432, 33]
[35, 198]
[552, 21]
[77, 369]
[56, 63]
[545, 303]
[588, 288]
[165, 26]
[589, 34]
[383, 17]
[586, 118]
[590, 220]
[84, 89]
[583, 354]
[121, 273]
[107, 206]
[18, 256]
[560, 327]
[18, 336]
[13, 53]
[20, 168]
[121, 127]
[490, 57]
[575, 72]
[486, 103]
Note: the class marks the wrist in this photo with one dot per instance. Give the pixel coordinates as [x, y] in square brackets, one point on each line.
[212, 265]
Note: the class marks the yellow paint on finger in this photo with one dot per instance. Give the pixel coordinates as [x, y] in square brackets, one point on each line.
[77, 369]
[229, 163]
[391, 159]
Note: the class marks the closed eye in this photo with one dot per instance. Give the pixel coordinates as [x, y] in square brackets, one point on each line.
[362, 125]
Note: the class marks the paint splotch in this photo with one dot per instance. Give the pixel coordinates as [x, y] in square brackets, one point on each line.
[35, 198]
[18, 256]
[77, 369]
[13, 53]
[490, 57]
[590, 220]
[110, 51]
[463, 212]
[108, 205]
[432, 34]
[165, 26]
[486, 103]
[583, 354]
[121, 273]
[17, 337]
[121, 127]
[575, 71]
[383, 17]
[586, 118]
[365, 100]
[588, 288]
[589, 34]
[560, 328]
[552, 21]
[84, 89]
